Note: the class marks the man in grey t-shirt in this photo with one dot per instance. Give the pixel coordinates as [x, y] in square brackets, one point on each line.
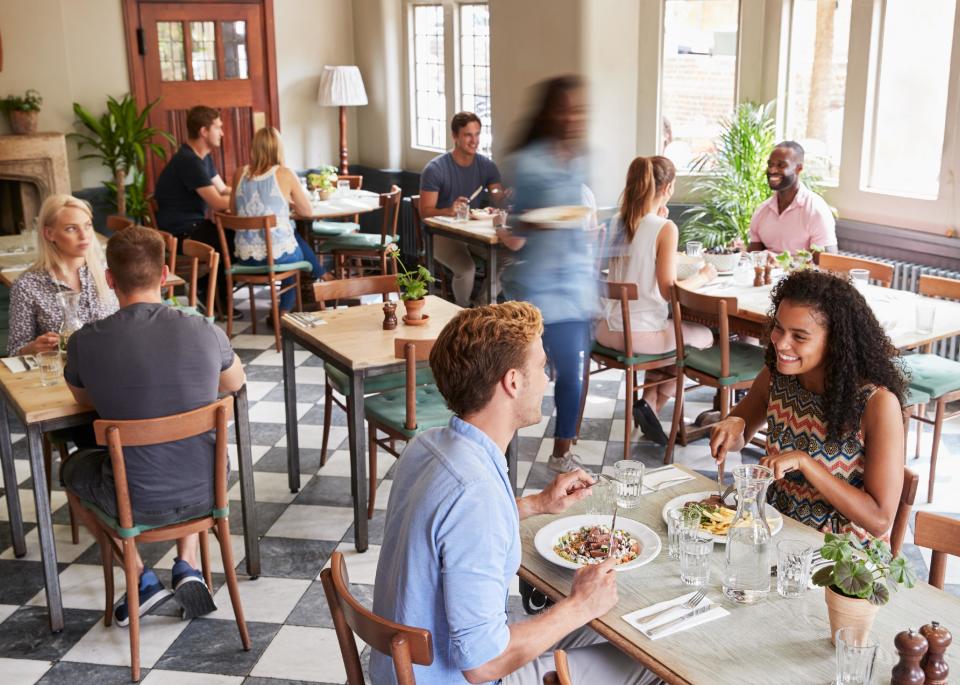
[450, 180]
[146, 361]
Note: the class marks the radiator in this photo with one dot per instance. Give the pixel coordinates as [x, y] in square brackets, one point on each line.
[906, 276]
[407, 233]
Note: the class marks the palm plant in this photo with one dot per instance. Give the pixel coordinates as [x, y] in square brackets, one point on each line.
[120, 139]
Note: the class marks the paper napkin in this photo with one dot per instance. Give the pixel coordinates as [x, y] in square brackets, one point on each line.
[714, 613]
[667, 478]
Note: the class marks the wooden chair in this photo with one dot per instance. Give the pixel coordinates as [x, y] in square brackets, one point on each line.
[726, 366]
[404, 644]
[404, 412]
[880, 272]
[421, 242]
[268, 274]
[942, 535]
[369, 246]
[908, 494]
[934, 376]
[562, 675]
[121, 535]
[201, 259]
[609, 358]
[170, 248]
[115, 222]
[324, 229]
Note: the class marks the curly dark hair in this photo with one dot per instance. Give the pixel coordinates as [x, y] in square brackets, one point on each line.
[858, 350]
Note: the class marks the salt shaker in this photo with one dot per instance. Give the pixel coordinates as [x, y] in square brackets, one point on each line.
[389, 316]
[911, 646]
[934, 666]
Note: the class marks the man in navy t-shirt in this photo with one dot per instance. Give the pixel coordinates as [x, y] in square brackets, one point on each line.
[450, 180]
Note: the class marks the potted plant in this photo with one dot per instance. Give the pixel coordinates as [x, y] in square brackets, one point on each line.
[801, 259]
[325, 181]
[859, 581]
[23, 111]
[413, 289]
[120, 139]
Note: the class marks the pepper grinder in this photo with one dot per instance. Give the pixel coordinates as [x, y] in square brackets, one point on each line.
[767, 275]
[911, 646]
[934, 666]
[389, 316]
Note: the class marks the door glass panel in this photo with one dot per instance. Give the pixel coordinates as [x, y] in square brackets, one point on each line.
[173, 67]
[234, 49]
[204, 50]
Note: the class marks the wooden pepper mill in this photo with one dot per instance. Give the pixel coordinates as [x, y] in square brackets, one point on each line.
[767, 274]
[934, 666]
[389, 316]
[911, 646]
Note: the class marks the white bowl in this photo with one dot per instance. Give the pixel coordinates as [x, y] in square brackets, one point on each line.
[547, 537]
[687, 267]
[723, 262]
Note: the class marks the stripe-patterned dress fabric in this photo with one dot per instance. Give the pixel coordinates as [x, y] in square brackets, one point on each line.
[795, 421]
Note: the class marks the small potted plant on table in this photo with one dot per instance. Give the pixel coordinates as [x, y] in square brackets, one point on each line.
[23, 111]
[324, 182]
[413, 291]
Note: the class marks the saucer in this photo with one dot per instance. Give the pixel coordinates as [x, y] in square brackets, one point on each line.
[416, 322]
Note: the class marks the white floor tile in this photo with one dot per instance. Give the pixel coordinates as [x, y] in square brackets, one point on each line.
[23, 671]
[252, 342]
[300, 653]
[523, 471]
[311, 374]
[274, 358]
[309, 522]
[257, 390]
[27, 505]
[599, 407]
[270, 487]
[82, 587]
[269, 600]
[310, 436]
[6, 610]
[67, 552]
[590, 452]
[361, 567]
[216, 559]
[275, 412]
[338, 463]
[22, 468]
[383, 494]
[111, 644]
[158, 677]
[536, 430]
[256, 451]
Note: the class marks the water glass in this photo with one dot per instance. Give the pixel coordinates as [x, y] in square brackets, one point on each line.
[793, 567]
[694, 248]
[49, 368]
[926, 312]
[856, 655]
[462, 211]
[343, 188]
[629, 474]
[680, 521]
[859, 278]
[499, 218]
[696, 548]
[600, 501]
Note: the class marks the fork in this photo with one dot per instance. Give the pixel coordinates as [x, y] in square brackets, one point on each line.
[689, 604]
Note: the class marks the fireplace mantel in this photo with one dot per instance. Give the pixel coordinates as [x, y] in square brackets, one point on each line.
[39, 163]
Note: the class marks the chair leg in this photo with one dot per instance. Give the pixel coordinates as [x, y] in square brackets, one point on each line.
[327, 420]
[133, 605]
[372, 471]
[937, 428]
[205, 558]
[299, 295]
[907, 411]
[74, 528]
[229, 298]
[226, 553]
[106, 557]
[275, 312]
[253, 309]
[676, 423]
[628, 413]
[724, 401]
[921, 411]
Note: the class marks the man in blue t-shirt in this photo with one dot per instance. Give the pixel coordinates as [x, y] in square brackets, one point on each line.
[451, 180]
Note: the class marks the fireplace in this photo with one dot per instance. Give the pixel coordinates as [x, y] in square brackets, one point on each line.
[31, 168]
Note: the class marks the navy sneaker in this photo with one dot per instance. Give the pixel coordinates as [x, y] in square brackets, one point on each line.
[152, 595]
[191, 591]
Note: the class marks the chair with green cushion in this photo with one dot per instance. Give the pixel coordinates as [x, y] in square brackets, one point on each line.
[269, 274]
[609, 358]
[405, 412]
[726, 366]
[369, 246]
[120, 535]
[322, 229]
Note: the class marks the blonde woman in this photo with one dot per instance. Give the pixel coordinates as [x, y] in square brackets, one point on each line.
[69, 260]
[267, 187]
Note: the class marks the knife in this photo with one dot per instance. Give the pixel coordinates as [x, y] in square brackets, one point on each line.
[677, 621]
[475, 193]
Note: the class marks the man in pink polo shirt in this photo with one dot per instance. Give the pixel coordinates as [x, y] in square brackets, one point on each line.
[794, 218]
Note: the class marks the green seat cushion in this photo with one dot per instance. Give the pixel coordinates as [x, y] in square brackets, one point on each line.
[334, 228]
[341, 383]
[187, 309]
[355, 241]
[635, 359]
[262, 269]
[932, 374]
[114, 524]
[390, 409]
[746, 361]
[915, 396]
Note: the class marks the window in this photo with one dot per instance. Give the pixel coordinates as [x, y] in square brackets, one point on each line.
[430, 106]
[203, 49]
[817, 82]
[698, 83]
[234, 49]
[173, 67]
[910, 98]
[475, 69]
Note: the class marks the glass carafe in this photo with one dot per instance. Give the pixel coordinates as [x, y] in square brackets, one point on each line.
[70, 306]
[746, 575]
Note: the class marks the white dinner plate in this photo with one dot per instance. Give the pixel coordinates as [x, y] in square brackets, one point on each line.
[774, 517]
[548, 536]
[564, 216]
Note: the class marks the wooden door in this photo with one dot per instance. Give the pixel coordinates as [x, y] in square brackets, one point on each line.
[217, 54]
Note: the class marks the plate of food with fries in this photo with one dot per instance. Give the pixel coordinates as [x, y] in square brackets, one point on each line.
[717, 516]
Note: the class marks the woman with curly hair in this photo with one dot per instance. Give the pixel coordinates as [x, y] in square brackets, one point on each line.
[831, 395]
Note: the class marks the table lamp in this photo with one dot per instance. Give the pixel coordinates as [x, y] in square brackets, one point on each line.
[341, 87]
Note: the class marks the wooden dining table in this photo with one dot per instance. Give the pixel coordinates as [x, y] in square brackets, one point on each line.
[775, 640]
[46, 408]
[353, 341]
[339, 206]
[479, 232]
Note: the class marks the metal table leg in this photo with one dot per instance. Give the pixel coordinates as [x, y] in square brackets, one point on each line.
[10, 484]
[48, 551]
[290, 403]
[428, 255]
[492, 279]
[358, 462]
[248, 499]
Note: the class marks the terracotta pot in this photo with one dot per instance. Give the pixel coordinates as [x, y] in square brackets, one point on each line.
[414, 308]
[326, 194]
[23, 123]
[848, 612]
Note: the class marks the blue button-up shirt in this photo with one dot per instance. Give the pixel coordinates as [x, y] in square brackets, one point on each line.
[450, 549]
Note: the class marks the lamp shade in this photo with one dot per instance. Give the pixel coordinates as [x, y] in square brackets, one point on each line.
[341, 86]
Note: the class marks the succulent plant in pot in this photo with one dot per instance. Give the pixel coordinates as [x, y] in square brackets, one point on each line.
[23, 111]
[325, 182]
[860, 580]
[413, 289]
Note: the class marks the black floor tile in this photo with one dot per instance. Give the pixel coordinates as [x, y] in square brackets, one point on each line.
[312, 609]
[19, 580]
[74, 673]
[290, 558]
[26, 633]
[306, 392]
[275, 460]
[267, 515]
[332, 491]
[375, 528]
[213, 646]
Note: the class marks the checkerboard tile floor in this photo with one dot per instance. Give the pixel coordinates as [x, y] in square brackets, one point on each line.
[287, 614]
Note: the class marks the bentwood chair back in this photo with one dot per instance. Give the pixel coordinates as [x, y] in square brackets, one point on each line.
[942, 535]
[203, 259]
[421, 237]
[404, 644]
[562, 675]
[116, 223]
[837, 263]
[908, 494]
[121, 535]
[170, 250]
[362, 246]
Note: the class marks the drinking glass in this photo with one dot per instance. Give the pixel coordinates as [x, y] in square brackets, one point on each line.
[694, 248]
[462, 210]
[793, 567]
[49, 368]
[600, 501]
[859, 278]
[696, 548]
[499, 218]
[856, 654]
[926, 312]
[343, 188]
[629, 473]
[680, 521]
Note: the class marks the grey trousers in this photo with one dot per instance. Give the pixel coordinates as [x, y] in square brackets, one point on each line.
[592, 660]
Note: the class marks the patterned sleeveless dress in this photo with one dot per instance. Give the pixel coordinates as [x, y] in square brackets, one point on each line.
[795, 421]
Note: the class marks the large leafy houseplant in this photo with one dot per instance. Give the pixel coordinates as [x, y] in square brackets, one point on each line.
[870, 573]
[120, 139]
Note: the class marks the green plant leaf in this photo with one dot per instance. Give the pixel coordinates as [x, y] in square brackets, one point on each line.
[851, 576]
[836, 548]
[879, 552]
[824, 576]
[902, 572]
[879, 594]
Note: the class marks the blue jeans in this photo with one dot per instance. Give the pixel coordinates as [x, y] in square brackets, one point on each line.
[303, 253]
[567, 345]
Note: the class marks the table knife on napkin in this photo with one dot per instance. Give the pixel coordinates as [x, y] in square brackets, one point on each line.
[680, 619]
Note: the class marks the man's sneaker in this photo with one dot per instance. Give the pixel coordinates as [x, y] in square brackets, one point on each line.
[191, 591]
[646, 419]
[568, 462]
[152, 595]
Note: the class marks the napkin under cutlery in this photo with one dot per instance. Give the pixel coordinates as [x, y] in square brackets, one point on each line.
[21, 364]
[664, 478]
[659, 627]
